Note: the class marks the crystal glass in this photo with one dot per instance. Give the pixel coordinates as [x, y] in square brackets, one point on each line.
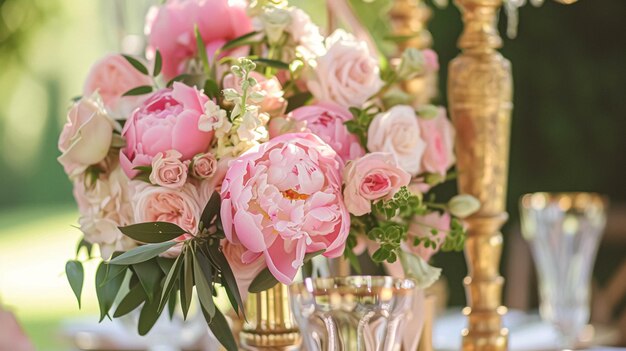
[352, 313]
[564, 230]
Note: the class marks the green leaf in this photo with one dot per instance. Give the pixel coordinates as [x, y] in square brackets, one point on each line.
[228, 277]
[202, 51]
[171, 304]
[112, 272]
[142, 253]
[178, 78]
[310, 255]
[297, 100]
[263, 281]
[106, 291]
[239, 41]
[272, 63]
[170, 286]
[150, 275]
[153, 232]
[165, 263]
[131, 301]
[137, 64]
[186, 284]
[220, 328]
[202, 277]
[140, 90]
[211, 89]
[84, 244]
[149, 314]
[211, 210]
[158, 64]
[75, 275]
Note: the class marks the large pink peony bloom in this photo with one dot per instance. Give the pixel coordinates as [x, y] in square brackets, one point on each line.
[168, 120]
[282, 199]
[170, 29]
[326, 120]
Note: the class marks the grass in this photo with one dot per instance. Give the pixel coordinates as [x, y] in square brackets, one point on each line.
[34, 245]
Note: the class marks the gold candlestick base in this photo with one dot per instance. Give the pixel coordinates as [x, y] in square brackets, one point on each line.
[270, 323]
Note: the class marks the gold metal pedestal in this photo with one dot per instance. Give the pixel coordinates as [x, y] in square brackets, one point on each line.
[270, 324]
[480, 99]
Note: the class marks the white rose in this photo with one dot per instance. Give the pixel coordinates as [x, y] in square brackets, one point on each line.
[346, 74]
[103, 208]
[86, 136]
[397, 132]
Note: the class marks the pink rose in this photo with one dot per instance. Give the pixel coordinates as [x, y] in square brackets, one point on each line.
[347, 74]
[274, 104]
[168, 120]
[170, 29]
[282, 199]
[326, 120]
[372, 177]
[86, 136]
[421, 227]
[204, 165]
[160, 204]
[104, 207]
[397, 132]
[168, 170]
[12, 336]
[438, 133]
[244, 269]
[206, 187]
[111, 77]
[431, 59]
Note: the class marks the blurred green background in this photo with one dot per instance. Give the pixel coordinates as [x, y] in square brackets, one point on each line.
[568, 125]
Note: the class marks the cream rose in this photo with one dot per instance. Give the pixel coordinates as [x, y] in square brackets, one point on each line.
[103, 208]
[168, 170]
[397, 132]
[86, 136]
[347, 74]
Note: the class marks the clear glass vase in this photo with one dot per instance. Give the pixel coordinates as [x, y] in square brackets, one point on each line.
[564, 230]
[352, 313]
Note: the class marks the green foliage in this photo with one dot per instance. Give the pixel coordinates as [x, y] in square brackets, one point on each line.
[243, 40]
[455, 240]
[140, 90]
[271, 63]
[158, 64]
[389, 235]
[137, 64]
[142, 253]
[75, 275]
[107, 288]
[360, 123]
[202, 51]
[153, 233]
[404, 204]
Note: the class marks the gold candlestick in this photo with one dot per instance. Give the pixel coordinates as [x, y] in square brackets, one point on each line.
[480, 99]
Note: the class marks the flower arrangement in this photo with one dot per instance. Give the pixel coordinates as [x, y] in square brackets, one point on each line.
[241, 146]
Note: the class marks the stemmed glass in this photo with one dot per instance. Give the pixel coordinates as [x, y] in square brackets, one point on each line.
[564, 230]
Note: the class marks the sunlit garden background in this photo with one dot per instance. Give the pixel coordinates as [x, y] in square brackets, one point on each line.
[568, 127]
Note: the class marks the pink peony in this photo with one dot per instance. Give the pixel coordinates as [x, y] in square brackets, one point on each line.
[86, 136]
[273, 103]
[168, 120]
[421, 227]
[282, 199]
[168, 170]
[438, 133]
[170, 29]
[372, 177]
[326, 120]
[111, 77]
[245, 270]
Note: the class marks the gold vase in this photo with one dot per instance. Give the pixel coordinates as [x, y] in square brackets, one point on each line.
[270, 324]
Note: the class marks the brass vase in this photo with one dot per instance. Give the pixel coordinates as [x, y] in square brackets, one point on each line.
[270, 324]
